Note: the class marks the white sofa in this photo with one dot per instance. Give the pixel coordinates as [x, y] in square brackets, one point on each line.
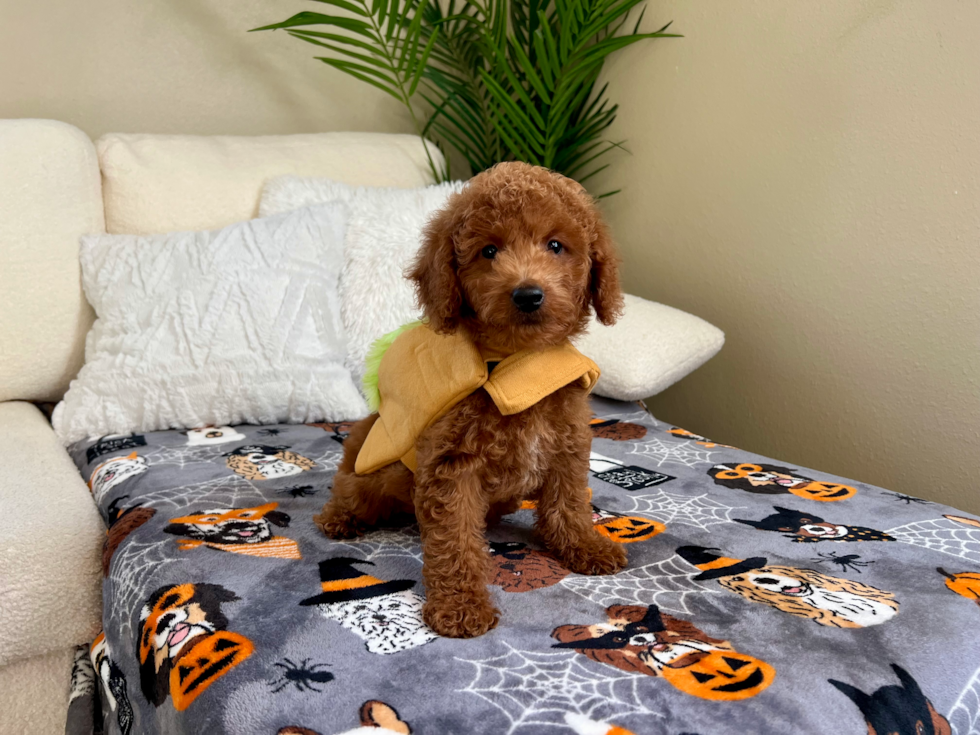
[56, 185]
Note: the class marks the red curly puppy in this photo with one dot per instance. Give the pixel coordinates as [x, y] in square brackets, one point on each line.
[517, 259]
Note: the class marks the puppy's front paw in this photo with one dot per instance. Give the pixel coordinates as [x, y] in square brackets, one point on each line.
[460, 614]
[336, 523]
[601, 556]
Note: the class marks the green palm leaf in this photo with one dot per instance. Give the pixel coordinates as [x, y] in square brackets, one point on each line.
[494, 80]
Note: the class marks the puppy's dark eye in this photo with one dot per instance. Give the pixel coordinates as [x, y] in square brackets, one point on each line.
[554, 246]
[489, 252]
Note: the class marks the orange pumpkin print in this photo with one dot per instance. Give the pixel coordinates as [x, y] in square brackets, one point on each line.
[624, 529]
[722, 676]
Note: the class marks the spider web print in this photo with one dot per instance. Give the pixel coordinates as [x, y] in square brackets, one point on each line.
[943, 536]
[698, 511]
[964, 717]
[134, 564]
[221, 492]
[404, 542]
[329, 459]
[666, 584]
[685, 453]
[536, 690]
[186, 455]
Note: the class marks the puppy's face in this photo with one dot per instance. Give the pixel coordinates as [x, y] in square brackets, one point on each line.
[524, 276]
[518, 258]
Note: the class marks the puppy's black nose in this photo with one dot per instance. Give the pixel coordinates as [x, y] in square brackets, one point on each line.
[527, 299]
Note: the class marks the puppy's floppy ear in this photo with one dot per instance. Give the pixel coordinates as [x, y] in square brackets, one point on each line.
[437, 286]
[607, 297]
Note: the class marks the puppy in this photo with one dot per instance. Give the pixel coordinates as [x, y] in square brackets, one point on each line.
[515, 261]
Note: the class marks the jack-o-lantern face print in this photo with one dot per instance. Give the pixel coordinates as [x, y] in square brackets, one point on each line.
[723, 676]
[624, 529]
[823, 491]
[772, 480]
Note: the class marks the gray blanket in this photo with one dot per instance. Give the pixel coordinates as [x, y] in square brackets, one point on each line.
[759, 598]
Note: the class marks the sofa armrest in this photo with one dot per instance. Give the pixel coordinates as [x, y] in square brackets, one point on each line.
[650, 348]
[50, 542]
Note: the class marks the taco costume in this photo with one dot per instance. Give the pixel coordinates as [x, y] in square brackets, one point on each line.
[422, 375]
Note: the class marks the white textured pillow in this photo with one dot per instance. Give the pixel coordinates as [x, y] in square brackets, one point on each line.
[383, 235]
[238, 325]
[650, 348]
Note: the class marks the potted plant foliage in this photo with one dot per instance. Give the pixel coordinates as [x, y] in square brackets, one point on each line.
[496, 80]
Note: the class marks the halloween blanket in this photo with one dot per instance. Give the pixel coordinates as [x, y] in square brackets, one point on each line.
[759, 598]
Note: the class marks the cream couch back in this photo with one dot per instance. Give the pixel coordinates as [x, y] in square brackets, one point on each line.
[50, 194]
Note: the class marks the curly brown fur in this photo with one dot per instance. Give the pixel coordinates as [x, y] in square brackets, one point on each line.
[473, 462]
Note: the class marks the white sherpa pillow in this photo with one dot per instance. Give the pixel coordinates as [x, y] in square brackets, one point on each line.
[650, 348]
[383, 235]
[238, 325]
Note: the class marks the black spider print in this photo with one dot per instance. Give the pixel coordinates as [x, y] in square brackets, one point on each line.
[303, 676]
[845, 562]
[300, 491]
[907, 499]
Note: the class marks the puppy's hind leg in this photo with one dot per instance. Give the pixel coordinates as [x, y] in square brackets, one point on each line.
[349, 512]
[359, 503]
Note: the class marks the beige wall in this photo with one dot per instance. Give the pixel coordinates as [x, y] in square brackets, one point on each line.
[807, 177]
[804, 175]
[176, 66]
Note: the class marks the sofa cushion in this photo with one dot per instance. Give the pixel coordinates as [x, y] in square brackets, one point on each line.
[164, 183]
[240, 325]
[50, 542]
[383, 236]
[648, 349]
[49, 195]
[34, 694]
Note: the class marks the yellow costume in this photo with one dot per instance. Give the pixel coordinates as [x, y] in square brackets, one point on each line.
[423, 375]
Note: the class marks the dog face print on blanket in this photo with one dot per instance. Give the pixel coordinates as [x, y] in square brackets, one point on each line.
[122, 522]
[838, 603]
[808, 528]
[769, 479]
[642, 640]
[262, 462]
[114, 471]
[387, 616]
[237, 530]
[619, 431]
[183, 643]
[210, 435]
[517, 568]
[898, 709]
[113, 684]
